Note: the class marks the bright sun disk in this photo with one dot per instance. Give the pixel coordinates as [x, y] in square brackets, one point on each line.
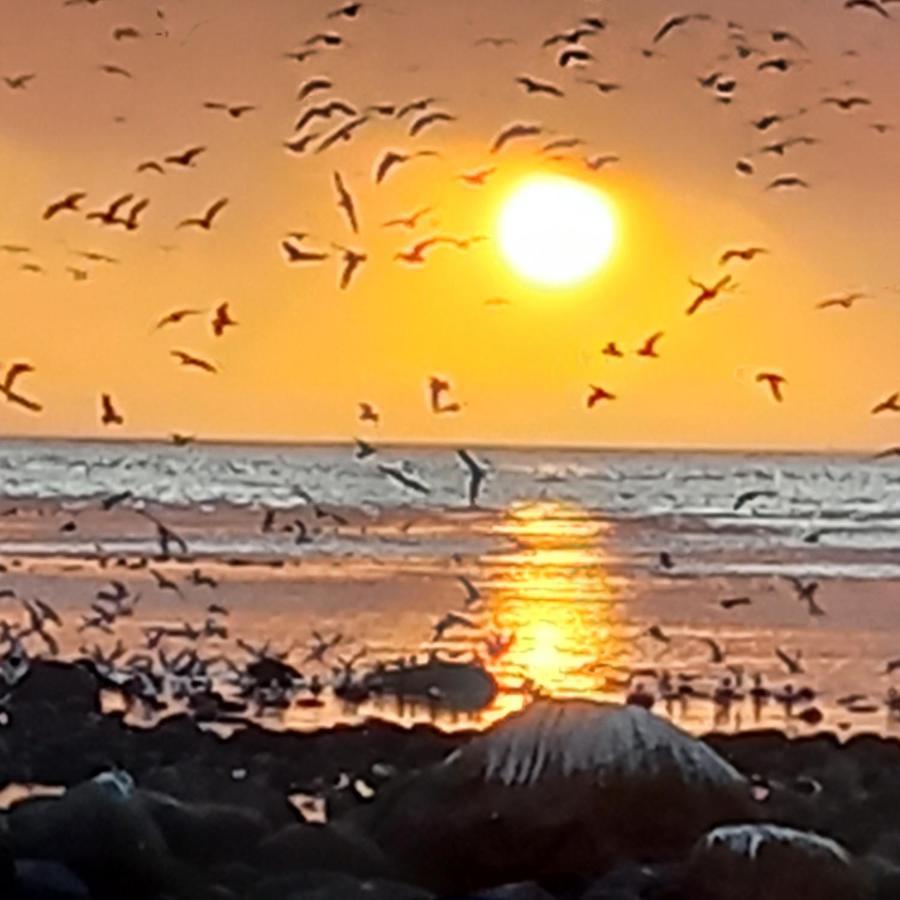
[556, 231]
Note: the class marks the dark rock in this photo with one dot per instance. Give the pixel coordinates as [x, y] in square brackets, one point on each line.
[524, 890]
[566, 789]
[332, 886]
[66, 686]
[456, 686]
[330, 848]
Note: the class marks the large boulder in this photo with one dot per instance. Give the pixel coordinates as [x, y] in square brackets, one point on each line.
[746, 862]
[101, 831]
[463, 687]
[565, 789]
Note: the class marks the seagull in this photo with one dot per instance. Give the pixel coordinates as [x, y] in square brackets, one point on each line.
[598, 394]
[787, 181]
[513, 132]
[363, 450]
[845, 301]
[716, 653]
[393, 158]
[311, 86]
[109, 416]
[655, 632]
[746, 255]
[18, 82]
[110, 69]
[477, 179]
[344, 133]
[222, 320]
[574, 55]
[352, 261]
[604, 87]
[847, 104]
[437, 387]
[368, 413]
[598, 162]
[678, 22]
[448, 621]
[401, 477]
[300, 144]
[206, 220]
[15, 371]
[473, 595]
[432, 118]
[649, 348]
[234, 111]
[793, 665]
[749, 496]
[533, 86]
[109, 216]
[807, 593]
[409, 221]
[186, 158]
[775, 383]
[477, 474]
[69, 203]
[892, 404]
[150, 166]
[709, 293]
[173, 318]
[186, 359]
[165, 584]
[325, 111]
[874, 5]
[345, 202]
[611, 349]
[296, 255]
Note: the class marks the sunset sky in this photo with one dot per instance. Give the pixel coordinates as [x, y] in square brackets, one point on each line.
[305, 352]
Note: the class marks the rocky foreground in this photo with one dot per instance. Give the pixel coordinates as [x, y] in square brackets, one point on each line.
[569, 799]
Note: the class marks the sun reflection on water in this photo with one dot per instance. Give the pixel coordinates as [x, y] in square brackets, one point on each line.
[554, 600]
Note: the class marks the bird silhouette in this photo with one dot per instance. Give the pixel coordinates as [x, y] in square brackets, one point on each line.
[431, 118]
[891, 404]
[844, 301]
[150, 166]
[604, 87]
[368, 413]
[77, 274]
[108, 413]
[847, 104]
[222, 320]
[873, 5]
[311, 85]
[415, 254]
[735, 602]
[409, 221]
[612, 349]
[205, 222]
[69, 203]
[597, 395]
[352, 259]
[345, 202]
[125, 32]
[716, 652]
[300, 144]
[533, 86]
[567, 37]
[178, 315]
[363, 450]
[744, 167]
[777, 64]
[680, 21]
[296, 255]
[775, 383]
[109, 216]
[19, 82]
[709, 293]
[576, 55]
[235, 111]
[473, 595]
[437, 387]
[515, 132]
[496, 42]
[598, 162]
[111, 69]
[477, 474]
[477, 179]
[325, 38]
[392, 158]
[747, 255]
[186, 158]
[190, 361]
[792, 664]
[325, 111]
[347, 11]
[448, 621]
[7, 387]
[132, 221]
[649, 348]
[344, 133]
[404, 478]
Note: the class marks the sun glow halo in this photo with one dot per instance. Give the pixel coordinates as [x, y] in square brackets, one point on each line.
[556, 230]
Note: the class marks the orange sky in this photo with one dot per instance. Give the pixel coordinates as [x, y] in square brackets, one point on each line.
[306, 352]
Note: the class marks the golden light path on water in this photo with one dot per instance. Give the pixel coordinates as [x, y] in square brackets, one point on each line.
[553, 600]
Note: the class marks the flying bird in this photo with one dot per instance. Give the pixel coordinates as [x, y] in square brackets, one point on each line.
[179, 315]
[612, 349]
[477, 475]
[222, 320]
[432, 118]
[108, 413]
[533, 86]
[577, 55]
[18, 82]
[296, 255]
[69, 203]
[477, 179]
[186, 158]
[392, 158]
[775, 383]
[363, 450]
[125, 32]
[873, 5]
[514, 132]
[326, 111]
[326, 38]
[892, 404]
[787, 181]
[604, 87]
[598, 162]
[110, 69]
[748, 254]
[649, 348]
[352, 261]
[597, 395]
[368, 413]
[150, 166]
[190, 361]
[409, 221]
[345, 202]
[301, 143]
[109, 216]
[844, 301]
[437, 387]
[344, 133]
[678, 22]
[847, 104]
[16, 371]
[401, 477]
[473, 595]
[205, 222]
[709, 293]
[347, 11]
[311, 86]
[235, 111]
[792, 664]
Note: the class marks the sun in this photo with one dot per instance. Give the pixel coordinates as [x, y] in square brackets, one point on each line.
[556, 230]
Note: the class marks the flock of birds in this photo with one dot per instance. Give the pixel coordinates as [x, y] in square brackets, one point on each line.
[170, 663]
[327, 121]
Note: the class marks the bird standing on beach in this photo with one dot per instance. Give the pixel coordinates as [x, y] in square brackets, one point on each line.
[477, 475]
